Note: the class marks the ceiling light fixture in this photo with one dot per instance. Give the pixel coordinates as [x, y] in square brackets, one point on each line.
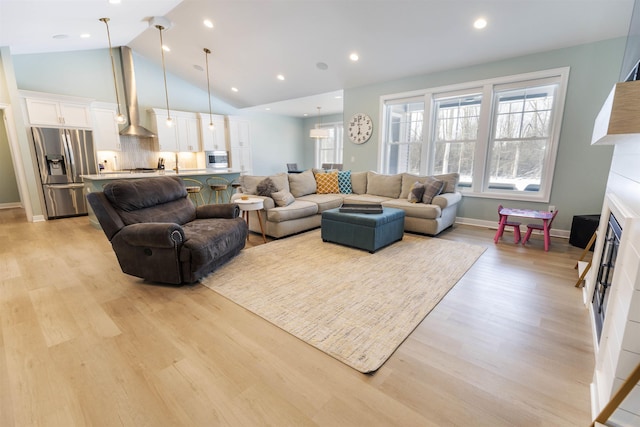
[206, 60]
[234, 89]
[164, 73]
[119, 116]
[354, 57]
[280, 77]
[480, 23]
[208, 23]
[317, 132]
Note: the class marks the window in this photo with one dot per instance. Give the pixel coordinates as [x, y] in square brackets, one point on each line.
[500, 135]
[329, 150]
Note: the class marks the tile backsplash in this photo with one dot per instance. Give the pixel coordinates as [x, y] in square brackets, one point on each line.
[139, 152]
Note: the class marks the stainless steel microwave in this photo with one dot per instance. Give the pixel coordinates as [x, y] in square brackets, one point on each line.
[216, 159]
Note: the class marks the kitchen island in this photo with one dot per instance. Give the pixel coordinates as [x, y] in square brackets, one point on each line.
[93, 183]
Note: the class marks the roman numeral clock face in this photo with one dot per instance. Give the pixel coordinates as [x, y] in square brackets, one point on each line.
[360, 128]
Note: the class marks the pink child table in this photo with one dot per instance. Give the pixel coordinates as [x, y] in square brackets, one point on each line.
[525, 213]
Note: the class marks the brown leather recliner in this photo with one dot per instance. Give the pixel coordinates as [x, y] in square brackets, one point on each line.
[159, 235]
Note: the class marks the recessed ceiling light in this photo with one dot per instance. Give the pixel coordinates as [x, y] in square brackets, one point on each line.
[354, 57]
[338, 96]
[268, 109]
[198, 67]
[60, 36]
[115, 1]
[235, 89]
[208, 23]
[280, 77]
[85, 36]
[166, 48]
[480, 23]
[305, 114]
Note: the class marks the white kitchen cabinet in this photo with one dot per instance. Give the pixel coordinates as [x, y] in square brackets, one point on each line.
[240, 144]
[106, 134]
[183, 136]
[59, 113]
[216, 139]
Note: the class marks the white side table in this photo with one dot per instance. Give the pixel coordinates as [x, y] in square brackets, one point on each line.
[252, 204]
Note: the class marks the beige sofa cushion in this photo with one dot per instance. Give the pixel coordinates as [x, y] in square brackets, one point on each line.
[324, 201]
[359, 182]
[384, 185]
[297, 209]
[415, 210]
[301, 184]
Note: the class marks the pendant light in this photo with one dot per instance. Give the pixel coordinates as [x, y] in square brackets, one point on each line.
[318, 132]
[164, 73]
[206, 59]
[120, 119]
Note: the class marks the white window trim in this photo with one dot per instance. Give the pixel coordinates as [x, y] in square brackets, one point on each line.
[335, 125]
[487, 86]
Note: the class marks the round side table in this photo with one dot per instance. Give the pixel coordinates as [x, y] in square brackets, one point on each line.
[252, 204]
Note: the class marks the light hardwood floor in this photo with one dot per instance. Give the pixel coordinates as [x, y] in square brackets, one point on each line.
[83, 344]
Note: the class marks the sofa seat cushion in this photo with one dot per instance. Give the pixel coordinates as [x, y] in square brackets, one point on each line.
[364, 198]
[207, 239]
[297, 209]
[324, 201]
[415, 210]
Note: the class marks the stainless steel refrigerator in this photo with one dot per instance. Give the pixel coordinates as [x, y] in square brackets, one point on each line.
[64, 155]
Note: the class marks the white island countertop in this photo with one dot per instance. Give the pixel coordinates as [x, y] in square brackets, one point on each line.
[125, 174]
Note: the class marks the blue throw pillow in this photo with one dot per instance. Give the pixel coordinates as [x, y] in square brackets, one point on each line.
[344, 182]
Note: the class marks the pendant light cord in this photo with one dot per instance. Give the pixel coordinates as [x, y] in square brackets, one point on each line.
[164, 73]
[113, 64]
[206, 57]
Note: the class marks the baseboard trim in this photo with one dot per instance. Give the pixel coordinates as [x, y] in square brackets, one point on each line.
[563, 234]
[10, 205]
[38, 218]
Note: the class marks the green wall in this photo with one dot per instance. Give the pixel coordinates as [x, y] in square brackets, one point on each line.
[581, 169]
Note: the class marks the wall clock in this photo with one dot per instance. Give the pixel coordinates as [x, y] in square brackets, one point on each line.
[360, 128]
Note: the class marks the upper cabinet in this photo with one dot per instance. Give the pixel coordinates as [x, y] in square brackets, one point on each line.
[106, 134]
[182, 136]
[240, 144]
[213, 139]
[57, 110]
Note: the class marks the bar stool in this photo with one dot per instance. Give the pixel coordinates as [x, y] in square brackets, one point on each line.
[234, 186]
[219, 186]
[194, 189]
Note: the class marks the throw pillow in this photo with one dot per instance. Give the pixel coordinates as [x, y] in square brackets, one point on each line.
[327, 183]
[359, 182]
[249, 183]
[301, 184]
[384, 185]
[344, 182]
[266, 187]
[432, 187]
[416, 192]
[282, 198]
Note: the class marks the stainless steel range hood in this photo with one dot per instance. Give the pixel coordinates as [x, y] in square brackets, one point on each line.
[131, 97]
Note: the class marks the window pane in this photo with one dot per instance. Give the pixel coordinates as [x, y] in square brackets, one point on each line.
[456, 132]
[404, 137]
[522, 128]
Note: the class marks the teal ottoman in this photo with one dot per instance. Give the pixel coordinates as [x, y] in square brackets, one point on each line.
[362, 230]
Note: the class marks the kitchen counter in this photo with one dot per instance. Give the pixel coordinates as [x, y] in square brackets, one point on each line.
[93, 183]
[126, 174]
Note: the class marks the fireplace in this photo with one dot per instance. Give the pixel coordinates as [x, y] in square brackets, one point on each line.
[606, 267]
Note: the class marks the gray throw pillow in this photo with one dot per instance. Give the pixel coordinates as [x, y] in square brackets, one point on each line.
[450, 181]
[416, 192]
[301, 184]
[266, 187]
[432, 187]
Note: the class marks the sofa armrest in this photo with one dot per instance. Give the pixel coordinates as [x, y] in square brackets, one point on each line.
[446, 199]
[152, 234]
[221, 210]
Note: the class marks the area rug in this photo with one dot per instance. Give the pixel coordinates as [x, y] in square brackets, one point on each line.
[355, 306]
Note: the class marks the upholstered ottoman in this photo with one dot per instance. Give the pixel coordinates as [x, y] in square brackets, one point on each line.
[363, 230]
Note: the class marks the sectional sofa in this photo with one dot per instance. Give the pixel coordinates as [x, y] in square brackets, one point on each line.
[294, 202]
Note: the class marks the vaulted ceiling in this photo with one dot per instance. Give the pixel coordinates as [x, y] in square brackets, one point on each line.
[254, 41]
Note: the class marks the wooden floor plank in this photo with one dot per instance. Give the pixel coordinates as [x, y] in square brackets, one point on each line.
[83, 344]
